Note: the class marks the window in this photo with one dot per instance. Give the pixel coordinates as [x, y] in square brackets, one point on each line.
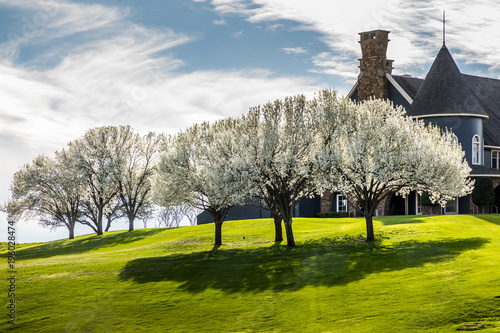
[495, 159]
[451, 206]
[476, 150]
[341, 203]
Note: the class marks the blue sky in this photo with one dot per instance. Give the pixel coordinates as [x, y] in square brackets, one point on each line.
[67, 66]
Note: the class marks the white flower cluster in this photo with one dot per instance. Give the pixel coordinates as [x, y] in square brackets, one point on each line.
[290, 149]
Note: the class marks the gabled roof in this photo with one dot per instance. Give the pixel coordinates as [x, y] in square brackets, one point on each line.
[444, 91]
[409, 84]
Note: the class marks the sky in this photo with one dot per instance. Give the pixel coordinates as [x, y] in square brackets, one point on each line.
[156, 65]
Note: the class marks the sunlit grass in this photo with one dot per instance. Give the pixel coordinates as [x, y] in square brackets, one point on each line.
[424, 273]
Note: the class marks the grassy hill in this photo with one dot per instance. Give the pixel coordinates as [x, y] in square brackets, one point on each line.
[438, 273]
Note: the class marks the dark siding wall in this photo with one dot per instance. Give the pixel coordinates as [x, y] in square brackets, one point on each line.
[204, 218]
[247, 212]
[396, 97]
[464, 205]
[308, 207]
[237, 213]
[354, 96]
[464, 128]
[412, 203]
[487, 157]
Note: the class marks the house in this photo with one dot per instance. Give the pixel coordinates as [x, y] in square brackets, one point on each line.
[468, 105]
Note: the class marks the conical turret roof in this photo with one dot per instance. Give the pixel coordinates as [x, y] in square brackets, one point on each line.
[444, 91]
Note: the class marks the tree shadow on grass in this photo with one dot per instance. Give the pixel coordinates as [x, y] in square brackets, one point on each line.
[325, 262]
[84, 244]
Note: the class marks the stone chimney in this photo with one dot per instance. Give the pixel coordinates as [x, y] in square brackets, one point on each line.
[373, 65]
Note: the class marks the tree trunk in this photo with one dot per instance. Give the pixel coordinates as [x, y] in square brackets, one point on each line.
[130, 223]
[278, 230]
[370, 235]
[108, 225]
[290, 241]
[218, 233]
[71, 232]
[99, 222]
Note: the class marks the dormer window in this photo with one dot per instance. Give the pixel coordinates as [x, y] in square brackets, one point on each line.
[476, 150]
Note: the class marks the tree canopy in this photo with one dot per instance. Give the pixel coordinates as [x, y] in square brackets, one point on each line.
[201, 168]
[276, 155]
[376, 151]
[279, 146]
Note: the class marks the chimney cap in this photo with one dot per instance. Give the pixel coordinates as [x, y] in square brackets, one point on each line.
[376, 30]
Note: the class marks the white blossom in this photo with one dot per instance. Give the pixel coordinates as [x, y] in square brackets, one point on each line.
[372, 150]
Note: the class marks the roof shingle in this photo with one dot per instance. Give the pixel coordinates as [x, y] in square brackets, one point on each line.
[445, 91]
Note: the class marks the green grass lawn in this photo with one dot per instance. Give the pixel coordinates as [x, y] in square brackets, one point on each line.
[424, 273]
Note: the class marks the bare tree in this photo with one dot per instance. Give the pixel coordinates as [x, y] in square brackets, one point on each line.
[171, 216]
[192, 214]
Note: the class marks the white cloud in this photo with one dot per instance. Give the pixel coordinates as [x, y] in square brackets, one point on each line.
[295, 50]
[416, 27]
[47, 20]
[328, 63]
[115, 72]
[237, 34]
[219, 22]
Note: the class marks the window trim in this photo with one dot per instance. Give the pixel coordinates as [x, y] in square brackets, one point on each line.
[497, 159]
[455, 199]
[418, 204]
[339, 196]
[476, 144]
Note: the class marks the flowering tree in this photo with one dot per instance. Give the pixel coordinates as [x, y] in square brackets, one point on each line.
[48, 190]
[98, 156]
[200, 168]
[280, 148]
[134, 176]
[376, 151]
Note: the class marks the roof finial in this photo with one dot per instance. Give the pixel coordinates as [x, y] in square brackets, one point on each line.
[444, 28]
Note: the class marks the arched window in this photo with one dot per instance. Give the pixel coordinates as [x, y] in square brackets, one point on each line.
[476, 150]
